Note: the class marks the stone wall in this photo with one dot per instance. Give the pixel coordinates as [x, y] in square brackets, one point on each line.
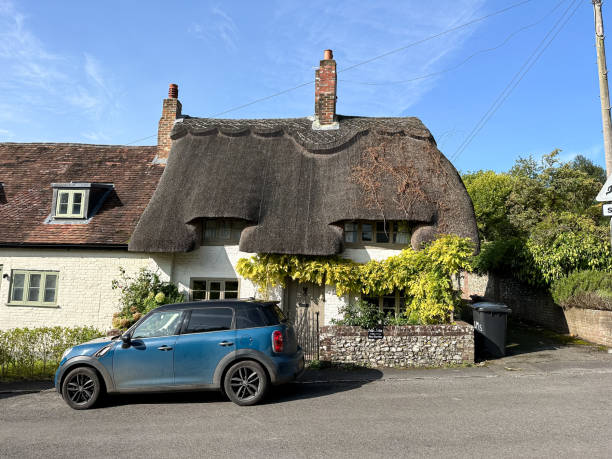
[406, 346]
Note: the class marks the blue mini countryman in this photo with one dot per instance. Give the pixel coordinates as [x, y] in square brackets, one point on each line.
[238, 346]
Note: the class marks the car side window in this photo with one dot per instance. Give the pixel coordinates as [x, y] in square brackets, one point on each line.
[210, 319]
[248, 318]
[163, 323]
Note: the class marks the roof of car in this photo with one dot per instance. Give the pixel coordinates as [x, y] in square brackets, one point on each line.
[244, 303]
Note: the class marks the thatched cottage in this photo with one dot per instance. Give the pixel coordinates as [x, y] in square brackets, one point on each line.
[363, 188]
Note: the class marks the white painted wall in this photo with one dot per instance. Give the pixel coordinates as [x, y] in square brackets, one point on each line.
[84, 295]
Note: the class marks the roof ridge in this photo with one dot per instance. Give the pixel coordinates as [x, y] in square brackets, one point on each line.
[78, 144]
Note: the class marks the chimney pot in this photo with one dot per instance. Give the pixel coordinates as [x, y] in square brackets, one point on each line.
[328, 54]
[325, 91]
[173, 91]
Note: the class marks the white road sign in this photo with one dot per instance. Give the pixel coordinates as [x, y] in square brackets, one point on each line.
[607, 210]
[605, 194]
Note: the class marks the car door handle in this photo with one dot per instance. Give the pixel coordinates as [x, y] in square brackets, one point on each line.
[226, 343]
[164, 348]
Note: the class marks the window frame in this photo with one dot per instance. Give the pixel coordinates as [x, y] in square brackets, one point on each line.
[235, 224]
[208, 280]
[26, 285]
[181, 321]
[398, 301]
[71, 194]
[359, 242]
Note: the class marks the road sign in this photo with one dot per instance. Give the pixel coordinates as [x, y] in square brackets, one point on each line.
[605, 194]
[607, 210]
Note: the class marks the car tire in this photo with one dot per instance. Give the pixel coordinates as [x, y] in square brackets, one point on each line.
[81, 388]
[245, 383]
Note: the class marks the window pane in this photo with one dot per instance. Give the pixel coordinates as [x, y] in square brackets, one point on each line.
[401, 233]
[231, 285]
[249, 317]
[210, 319]
[18, 284]
[63, 203]
[34, 287]
[371, 299]
[199, 285]
[229, 295]
[215, 286]
[366, 232]
[210, 232]
[389, 305]
[214, 295]
[197, 295]
[237, 228]
[350, 236]
[50, 287]
[350, 226]
[77, 199]
[224, 230]
[163, 323]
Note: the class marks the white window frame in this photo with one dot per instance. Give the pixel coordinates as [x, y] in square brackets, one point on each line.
[398, 301]
[71, 194]
[208, 281]
[26, 286]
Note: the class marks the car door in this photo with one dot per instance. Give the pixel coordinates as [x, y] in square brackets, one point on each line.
[148, 360]
[207, 337]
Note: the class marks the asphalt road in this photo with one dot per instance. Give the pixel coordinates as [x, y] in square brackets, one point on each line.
[547, 401]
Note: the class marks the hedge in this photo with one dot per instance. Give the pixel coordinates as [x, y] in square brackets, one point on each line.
[36, 352]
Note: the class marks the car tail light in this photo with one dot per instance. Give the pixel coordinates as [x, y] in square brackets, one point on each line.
[277, 341]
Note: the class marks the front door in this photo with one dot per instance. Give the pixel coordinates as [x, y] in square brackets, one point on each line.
[300, 296]
[208, 337]
[148, 361]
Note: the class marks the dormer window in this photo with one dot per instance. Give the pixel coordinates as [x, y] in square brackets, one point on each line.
[222, 231]
[77, 202]
[391, 233]
[70, 204]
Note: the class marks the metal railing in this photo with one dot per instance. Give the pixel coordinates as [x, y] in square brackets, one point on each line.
[307, 332]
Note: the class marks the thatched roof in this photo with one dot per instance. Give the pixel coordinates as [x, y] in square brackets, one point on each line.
[295, 184]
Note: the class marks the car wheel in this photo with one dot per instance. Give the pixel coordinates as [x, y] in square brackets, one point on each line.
[245, 383]
[81, 388]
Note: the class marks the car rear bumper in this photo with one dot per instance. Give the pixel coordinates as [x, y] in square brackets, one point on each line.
[290, 368]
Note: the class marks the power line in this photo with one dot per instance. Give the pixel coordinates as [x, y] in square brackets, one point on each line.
[517, 78]
[486, 50]
[380, 56]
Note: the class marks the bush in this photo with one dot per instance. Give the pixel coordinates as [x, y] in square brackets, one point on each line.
[360, 314]
[36, 352]
[141, 294]
[585, 290]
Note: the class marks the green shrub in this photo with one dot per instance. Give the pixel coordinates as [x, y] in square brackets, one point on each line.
[36, 352]
[141, 294]
[584, 289]
[360, 313]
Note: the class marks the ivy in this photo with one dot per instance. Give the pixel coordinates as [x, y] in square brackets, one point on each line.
[424, 275]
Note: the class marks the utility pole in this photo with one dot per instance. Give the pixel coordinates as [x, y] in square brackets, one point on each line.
[604, 94]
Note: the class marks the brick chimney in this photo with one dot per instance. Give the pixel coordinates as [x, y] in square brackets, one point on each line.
[171, 110]
[325, 93]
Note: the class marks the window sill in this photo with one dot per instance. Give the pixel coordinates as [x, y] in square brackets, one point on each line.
[374, 245]
[32, 305]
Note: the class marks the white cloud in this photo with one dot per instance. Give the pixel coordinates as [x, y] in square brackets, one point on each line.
[220, 27]
[40, 79]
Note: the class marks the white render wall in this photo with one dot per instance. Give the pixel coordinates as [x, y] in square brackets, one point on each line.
[84, 294]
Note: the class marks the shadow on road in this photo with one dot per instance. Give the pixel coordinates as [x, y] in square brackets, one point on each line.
[314, 383]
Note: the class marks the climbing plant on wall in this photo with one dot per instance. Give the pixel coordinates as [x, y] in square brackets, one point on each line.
[425, 275]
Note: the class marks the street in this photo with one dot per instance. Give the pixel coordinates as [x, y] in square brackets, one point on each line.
[554, 402]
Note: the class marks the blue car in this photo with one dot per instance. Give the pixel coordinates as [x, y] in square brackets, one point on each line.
[238, 346]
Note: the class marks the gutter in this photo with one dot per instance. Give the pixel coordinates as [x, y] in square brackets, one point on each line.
[14, 245]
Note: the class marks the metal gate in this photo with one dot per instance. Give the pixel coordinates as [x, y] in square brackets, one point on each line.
[307, 332]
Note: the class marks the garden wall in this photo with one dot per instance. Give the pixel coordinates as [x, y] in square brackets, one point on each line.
[538, 307]
[405, 346]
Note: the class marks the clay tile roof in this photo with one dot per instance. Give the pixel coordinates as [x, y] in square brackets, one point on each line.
[27, 171]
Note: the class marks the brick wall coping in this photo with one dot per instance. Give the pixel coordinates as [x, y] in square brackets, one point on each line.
[458, 328]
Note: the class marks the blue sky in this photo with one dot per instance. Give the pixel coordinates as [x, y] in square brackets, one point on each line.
[96, 72]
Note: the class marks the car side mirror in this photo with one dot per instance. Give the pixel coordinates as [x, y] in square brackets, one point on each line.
[126, 338]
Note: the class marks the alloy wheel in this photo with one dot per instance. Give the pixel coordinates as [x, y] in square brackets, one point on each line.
[245, 383]
[80, 388]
